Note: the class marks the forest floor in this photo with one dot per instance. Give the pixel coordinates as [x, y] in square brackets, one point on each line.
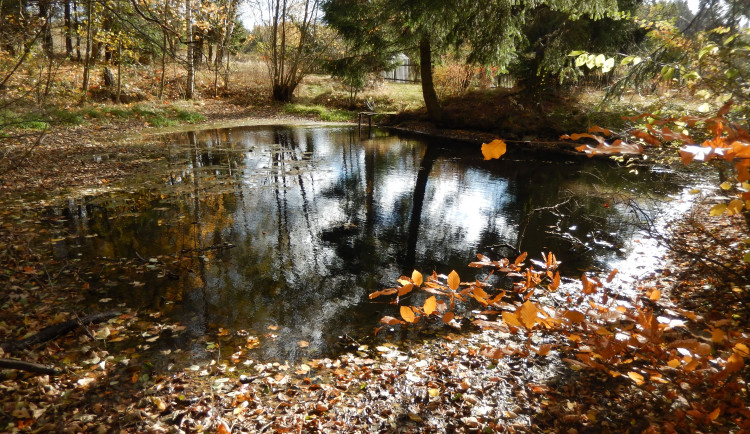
[455, 382]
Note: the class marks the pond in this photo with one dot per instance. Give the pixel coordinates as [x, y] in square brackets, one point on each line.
[284, 231]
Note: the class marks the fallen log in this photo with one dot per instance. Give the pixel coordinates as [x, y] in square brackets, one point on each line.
[55, 331]
[28, 367]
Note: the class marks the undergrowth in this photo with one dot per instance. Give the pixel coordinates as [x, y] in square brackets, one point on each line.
[324, 113]
[39, 120]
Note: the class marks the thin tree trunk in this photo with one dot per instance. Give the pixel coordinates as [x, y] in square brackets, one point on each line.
[44, 14]
[190, 89]
[87, 62]
[434, 110]
[68, 30]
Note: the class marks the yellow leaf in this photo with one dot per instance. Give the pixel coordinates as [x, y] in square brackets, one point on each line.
[654, 295]
[453, 280]
[416, 277]
[494, 149]
[405, 289]
[674, 363]
[726, 185]
[430, 305]
[742, 350]
[407, 314]
[735, 207]
[527, 313]
[717, 209]
[638, 378]
[511, 319]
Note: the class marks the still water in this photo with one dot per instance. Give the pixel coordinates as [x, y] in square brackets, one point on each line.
[284, 231]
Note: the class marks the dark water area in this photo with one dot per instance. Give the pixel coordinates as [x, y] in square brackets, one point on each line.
[284, 231]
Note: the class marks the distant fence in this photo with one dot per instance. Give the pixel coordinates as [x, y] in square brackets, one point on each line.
[406, 72]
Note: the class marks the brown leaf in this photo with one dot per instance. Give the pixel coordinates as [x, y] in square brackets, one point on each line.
[574, 316]
[555, 282]
[734, 363]
[390, 320]
[520, 258]
[448, 317]
[388, 291]
[544, 349]
[612, 275]
[598, 129]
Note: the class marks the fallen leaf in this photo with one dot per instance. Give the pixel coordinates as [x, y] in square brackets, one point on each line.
[638, 378]
[494, 149]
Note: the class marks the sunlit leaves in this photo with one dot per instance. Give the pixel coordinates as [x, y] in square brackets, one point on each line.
[430, 305]
[407, 313]
[638, 378]
[494, 149]
[511, 319]
[453, 280]
[416, 278]
[528, 314]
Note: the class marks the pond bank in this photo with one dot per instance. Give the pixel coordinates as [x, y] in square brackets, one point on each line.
[431, 385]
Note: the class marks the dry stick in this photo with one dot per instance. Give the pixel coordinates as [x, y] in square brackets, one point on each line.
[56, 330]
[28, 367]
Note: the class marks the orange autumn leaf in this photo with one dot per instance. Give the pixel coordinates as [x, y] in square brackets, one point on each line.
[448, 317]
[416, 278]
[654, 295]
[405, 289]
[638, 378]
[408, 314]
[528, 314]
[494, 149]
[511, 319]
[430, 305]
[714, 414]
[453, 280]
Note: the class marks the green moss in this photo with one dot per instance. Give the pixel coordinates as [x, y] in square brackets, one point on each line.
[324, 113]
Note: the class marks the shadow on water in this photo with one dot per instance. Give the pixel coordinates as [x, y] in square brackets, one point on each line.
[284, 231]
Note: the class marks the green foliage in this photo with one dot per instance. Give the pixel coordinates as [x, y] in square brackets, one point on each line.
[323, 113]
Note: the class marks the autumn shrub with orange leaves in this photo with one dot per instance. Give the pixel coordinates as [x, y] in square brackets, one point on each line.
[596, 330]
[668, 353]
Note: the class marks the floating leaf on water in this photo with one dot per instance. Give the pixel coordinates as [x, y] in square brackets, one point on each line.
[494, 149]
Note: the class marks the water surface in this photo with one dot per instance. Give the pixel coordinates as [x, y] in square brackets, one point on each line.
[284, 231]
